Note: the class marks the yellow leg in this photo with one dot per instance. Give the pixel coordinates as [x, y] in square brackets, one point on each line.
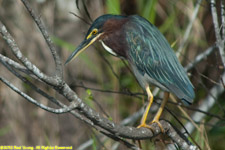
[158, 114]
[144, 117]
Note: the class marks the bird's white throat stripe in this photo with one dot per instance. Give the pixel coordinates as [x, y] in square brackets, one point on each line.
[108, 49]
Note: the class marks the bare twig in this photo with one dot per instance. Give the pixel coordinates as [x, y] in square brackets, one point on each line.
[133, 94]
[223, 19]
[58, 63]
[30, 99]
[15, 65]
[200, 57]
[215, 20]
[16, 51]
[38, 90]
[219, 40]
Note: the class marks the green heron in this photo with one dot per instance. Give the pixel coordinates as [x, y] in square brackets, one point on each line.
[147, 51]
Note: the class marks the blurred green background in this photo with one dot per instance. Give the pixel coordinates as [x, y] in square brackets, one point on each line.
[105, 82]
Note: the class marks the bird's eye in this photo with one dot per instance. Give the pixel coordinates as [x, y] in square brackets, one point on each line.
[95, 31]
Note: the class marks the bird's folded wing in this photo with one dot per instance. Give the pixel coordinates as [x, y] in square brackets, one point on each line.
[152, 54]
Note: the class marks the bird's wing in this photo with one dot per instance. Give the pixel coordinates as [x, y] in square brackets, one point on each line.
[152, 55]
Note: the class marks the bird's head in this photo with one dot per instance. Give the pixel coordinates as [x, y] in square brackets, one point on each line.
[96, 32]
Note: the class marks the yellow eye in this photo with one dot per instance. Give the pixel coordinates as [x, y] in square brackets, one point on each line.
[95, 31]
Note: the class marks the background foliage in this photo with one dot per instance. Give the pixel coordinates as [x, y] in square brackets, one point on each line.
[103, 81]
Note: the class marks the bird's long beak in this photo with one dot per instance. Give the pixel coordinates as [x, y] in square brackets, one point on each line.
[83, 45]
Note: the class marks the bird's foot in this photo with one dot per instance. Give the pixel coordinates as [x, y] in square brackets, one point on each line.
[144, 125]
[159, 124]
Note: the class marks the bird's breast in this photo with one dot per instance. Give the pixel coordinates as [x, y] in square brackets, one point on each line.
[115, 43]
[108, 49]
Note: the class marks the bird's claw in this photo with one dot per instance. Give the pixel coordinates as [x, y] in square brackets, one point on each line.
[159, 124]
[144, 125]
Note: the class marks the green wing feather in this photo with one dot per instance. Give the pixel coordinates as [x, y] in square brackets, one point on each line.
[152, 55]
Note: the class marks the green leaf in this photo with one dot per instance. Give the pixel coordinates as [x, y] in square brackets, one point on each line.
[63, 43]
[149, 11]
[4, 130]
[113, 6]
[90, 96]
[110, 118]
[174, 43]
[217, 131]
[168, 23]
[94, 144]
[47, 140]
